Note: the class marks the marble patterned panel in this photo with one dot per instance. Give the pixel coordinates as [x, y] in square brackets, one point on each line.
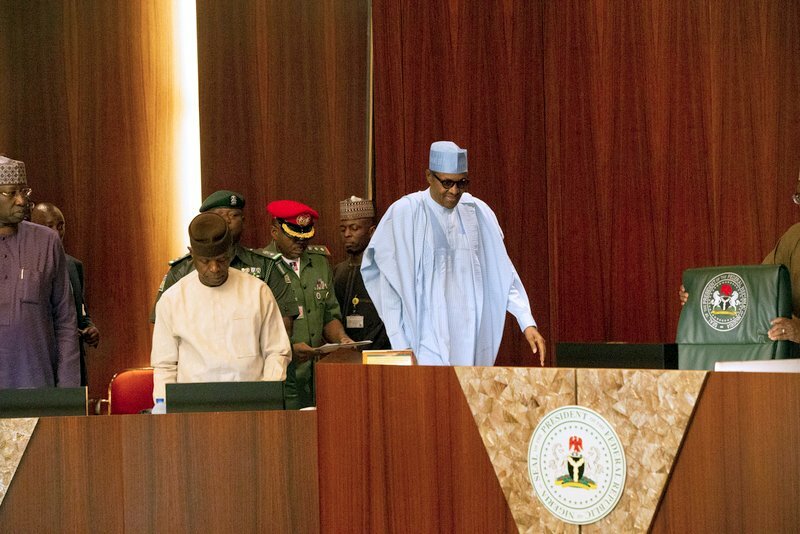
[14, 437]
[507, 404]
[650, 411]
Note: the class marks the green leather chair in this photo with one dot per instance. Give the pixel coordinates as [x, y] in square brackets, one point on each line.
[728, 314]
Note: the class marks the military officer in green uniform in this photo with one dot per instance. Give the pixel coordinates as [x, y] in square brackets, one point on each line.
[319, 319]
[275, 273]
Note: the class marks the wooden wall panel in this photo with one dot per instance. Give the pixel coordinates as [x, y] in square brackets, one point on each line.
[87, 98]
[283, 106]
[667, 140]
[672, 134]
[470, 72]
[619, 142]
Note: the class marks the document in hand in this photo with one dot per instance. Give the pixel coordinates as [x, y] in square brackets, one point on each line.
[330, 347]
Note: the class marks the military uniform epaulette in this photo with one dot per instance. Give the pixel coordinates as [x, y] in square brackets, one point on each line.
[269, 254]
[319, 249]
[178, 260]
[261, 252]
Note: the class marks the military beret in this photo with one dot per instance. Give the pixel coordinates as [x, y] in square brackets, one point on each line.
[12, 172]
[296, 219]
[222, 199]
[209, 235]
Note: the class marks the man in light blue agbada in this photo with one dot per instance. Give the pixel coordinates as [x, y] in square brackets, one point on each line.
[439, 274]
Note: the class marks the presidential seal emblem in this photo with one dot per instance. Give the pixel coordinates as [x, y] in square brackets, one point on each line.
[724, 301]
[576, 465]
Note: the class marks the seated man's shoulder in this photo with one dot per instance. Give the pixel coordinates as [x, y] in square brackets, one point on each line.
[245, 276]
[793, 232]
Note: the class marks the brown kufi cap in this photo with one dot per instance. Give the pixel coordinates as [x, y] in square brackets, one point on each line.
[12, 172]
[356, 208]
[209, 235]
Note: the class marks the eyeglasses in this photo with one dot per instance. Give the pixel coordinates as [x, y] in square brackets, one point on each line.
[447, 184]
[25, 193]
[796, 198]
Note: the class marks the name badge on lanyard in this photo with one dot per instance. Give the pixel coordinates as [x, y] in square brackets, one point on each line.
[355, 321]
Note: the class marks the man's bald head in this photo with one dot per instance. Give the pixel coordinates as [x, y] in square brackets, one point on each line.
[49, 215]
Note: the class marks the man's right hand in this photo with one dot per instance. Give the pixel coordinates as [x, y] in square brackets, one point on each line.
[302, 352]
[683, 294]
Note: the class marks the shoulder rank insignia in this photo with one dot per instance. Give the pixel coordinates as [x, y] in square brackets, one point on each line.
[269, 254]
[318, 249]
[258, 252]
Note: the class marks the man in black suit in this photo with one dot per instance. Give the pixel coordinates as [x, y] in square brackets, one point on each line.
[49, 215]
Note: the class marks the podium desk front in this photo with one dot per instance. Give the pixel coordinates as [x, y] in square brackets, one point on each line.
[406, 449]
[198, 472]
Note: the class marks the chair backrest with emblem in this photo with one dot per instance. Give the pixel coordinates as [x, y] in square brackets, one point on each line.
[728, 314]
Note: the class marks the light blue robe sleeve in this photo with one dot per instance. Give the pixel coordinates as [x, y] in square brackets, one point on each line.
[388, 268]
[518, 303]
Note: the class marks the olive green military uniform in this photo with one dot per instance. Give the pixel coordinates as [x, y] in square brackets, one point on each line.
[317, 302]
[274, 272]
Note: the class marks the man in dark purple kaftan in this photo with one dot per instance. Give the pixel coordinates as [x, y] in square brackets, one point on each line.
[38, 329]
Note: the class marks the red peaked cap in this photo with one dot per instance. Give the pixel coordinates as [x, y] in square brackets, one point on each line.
[295, 218]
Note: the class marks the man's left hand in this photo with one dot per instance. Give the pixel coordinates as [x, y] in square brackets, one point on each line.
[785, 329]
[91, 336]
[536, 341]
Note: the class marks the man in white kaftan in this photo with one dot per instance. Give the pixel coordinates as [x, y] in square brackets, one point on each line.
[217, 324]
[439, 274]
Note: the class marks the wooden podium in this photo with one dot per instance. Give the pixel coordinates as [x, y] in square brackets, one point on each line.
[419, 449]
[400, 451]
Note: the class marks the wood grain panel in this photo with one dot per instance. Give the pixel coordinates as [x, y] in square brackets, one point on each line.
[87, 102]
[668, 133]
[223, 472]
[735, 472]
[283, 106]
[470, 72]
[402, 454]
[671, 143]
